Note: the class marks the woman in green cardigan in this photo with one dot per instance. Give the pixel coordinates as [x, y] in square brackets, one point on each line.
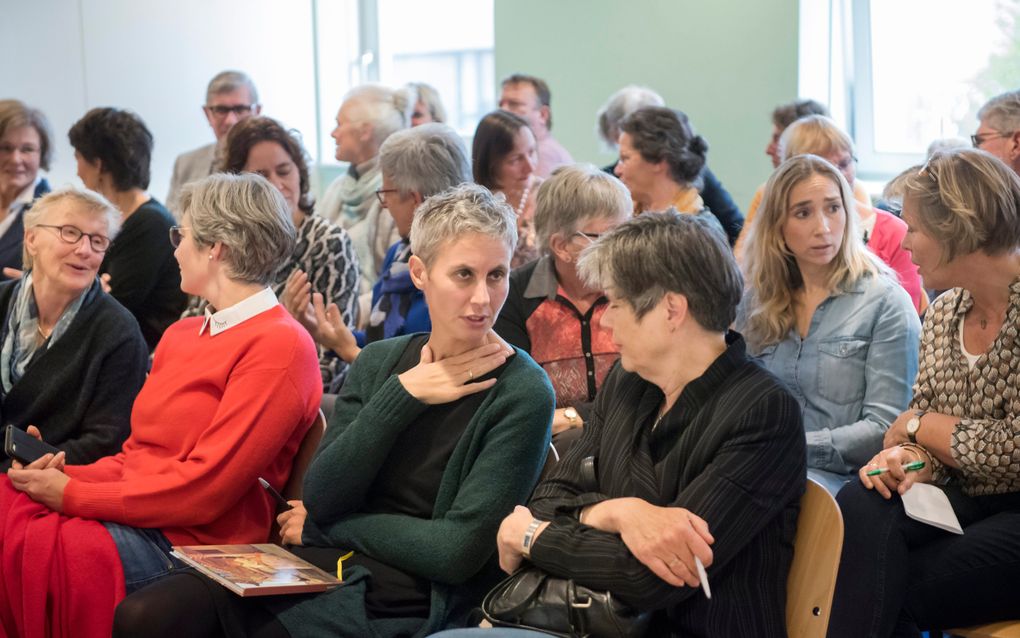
[434, 439]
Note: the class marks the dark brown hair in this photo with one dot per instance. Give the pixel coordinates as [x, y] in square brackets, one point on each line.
[244, 135]
[661, 134]
[120, 140]
[494, 140]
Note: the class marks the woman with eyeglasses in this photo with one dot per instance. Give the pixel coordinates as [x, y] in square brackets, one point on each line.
[71, 358]
[229, 400]
[551, 313]
[113, 149]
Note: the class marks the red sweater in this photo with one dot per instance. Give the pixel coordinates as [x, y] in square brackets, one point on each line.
[214, 415]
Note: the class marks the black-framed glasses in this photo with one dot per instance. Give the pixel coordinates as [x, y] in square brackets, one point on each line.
[72, 235]
[176, 236]
[980, 138]
[591, 237]
[381, 194]
[222, 110]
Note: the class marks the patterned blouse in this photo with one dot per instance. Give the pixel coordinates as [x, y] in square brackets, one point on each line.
[986, 443]
[324, 251]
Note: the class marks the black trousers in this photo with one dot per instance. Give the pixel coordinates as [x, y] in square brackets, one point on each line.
[898, 577]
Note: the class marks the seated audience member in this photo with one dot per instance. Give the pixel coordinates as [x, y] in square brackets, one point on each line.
[661, 159]
[631, 98]
[963, 209]
[529, 97]
[368, 115]
[113, 149]
[25, 147]
[416, 164]
[827, 317]
[504, 157]
[551, 312]
[230, 98]
[882, 232]
[323, 254]
[72, 359]
[783, 116]
[999, 129]
[434, 438]
[688, 435]
[229, 399]
[891, 200]
[428, 106]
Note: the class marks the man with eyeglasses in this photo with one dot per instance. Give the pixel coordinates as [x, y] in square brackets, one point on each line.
[999, 129]
[230, 98]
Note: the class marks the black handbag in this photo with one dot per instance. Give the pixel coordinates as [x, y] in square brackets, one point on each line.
[531, 599]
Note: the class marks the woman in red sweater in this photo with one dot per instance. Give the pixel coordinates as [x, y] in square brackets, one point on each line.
[228, 400]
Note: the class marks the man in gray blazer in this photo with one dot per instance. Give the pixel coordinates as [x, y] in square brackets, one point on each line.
[230, 98]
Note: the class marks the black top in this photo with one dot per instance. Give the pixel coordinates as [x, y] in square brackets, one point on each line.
[11, 242]
[407, 484]
[144, 276]
[731, 450]
[79, 391]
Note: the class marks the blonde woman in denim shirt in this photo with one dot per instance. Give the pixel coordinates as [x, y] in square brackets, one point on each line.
[827, 317]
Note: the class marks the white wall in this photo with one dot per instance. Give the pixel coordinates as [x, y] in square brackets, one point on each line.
[155, 58]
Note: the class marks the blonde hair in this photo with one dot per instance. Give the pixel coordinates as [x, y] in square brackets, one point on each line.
[967, 200]
[815, 134]
[771, 271]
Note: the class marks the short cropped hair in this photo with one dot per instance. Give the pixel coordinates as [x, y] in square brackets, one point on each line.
[815, 135]
[494, 140]
[85, 201]
[120, 140]
[573, 195]
[248, 132]
[427, 159]
[229, 81]
[967, 200]
[462, 210]
[620, 105]
[429, 96]
[1002, 112]
[786, 114]
[657, 253]
[16, 114]
[541, 90]
[249, 216]
[663, 134]
[387, 110]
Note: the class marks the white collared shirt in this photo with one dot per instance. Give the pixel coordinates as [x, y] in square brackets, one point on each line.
[23, 199]
[239, 312]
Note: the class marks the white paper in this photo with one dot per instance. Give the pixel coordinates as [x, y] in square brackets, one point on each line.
[929, 504]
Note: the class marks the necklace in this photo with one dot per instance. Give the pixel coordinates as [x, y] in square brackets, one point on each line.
[524, 198]
[42, 334]
[658, 420]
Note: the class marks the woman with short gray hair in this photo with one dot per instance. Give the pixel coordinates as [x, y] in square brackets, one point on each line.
[551, 312]
[230, 398]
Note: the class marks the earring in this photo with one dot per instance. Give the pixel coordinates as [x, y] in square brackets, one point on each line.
[210, 256]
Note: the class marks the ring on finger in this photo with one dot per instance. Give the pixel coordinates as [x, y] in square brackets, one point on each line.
[471, 376]
[672, 563]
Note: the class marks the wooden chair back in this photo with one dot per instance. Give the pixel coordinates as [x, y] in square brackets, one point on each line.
[816, 553]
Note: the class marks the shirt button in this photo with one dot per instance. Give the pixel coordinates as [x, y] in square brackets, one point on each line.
[591, 373]
[584, 323]
[587, 354]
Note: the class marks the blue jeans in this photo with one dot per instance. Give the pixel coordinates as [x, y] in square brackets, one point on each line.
[144, 554]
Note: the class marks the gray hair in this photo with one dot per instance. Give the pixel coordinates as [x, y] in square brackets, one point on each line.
[620, 105]
[387, 110]
[574, 195]
[427, 159]
[465, 209]
[89, 202]
[429, 96]
[1002, 112]
[656, 253]
[227, 81]
[247, 215]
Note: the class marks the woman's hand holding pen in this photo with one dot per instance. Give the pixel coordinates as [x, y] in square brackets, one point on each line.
[896, 478]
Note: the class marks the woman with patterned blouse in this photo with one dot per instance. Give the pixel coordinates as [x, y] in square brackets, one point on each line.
[323, 253]
[963, 216]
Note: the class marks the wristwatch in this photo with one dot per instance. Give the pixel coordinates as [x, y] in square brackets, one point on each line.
[914, 424]
[573, 417]
[529, 537]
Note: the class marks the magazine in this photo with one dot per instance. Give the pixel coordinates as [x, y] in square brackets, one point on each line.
[256, 570]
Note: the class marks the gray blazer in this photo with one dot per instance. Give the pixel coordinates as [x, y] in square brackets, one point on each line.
[189, 167]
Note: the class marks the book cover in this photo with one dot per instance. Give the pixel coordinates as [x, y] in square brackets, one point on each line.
[256, 570]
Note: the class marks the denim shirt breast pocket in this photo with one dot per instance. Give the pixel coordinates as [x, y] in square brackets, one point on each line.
[841, 366]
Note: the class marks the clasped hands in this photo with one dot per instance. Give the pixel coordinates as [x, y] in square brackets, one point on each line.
[43, 479]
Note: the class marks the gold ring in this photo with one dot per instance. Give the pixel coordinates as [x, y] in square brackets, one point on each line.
[676, 559]
[471, 376]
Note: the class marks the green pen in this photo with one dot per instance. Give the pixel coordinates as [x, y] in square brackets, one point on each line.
[909, 467]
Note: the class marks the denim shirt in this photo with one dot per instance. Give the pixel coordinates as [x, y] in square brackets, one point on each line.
[853, 373]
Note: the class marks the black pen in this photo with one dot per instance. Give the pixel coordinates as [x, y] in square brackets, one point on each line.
[284, 505]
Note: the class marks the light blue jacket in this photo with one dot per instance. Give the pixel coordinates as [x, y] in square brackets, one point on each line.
[853, 373]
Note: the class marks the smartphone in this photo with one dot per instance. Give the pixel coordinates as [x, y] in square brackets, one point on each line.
[24, 447]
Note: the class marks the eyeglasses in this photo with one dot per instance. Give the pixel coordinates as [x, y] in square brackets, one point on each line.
[176, 236]
[381, 195]
[980, 138]
[26, 149]
[845, 163]
[591, 237]
[222, 110]
[73, 234]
